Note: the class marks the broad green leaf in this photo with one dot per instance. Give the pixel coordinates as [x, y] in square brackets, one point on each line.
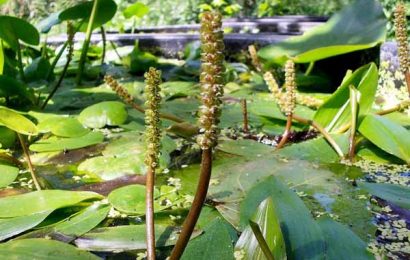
[266, 217]
[16, 122]
[137, 9]
[37, 69]
[49, 22]
[335, 113]
[109, 113]
[341, 241]
[83, 221]
[244, 147]
[63, 127]
[10, 227]
[7, 137]
[303, 236]
[60, 144]
[105, 11]
[1, 58]
[387, 135]
[131, 199]
[214, 243]
[396, 194]
[139, 61]
[13, 29]
[10, 87]
[126, 238]
[42, 201]
[347, 31]
[44, 249]
[7, 175]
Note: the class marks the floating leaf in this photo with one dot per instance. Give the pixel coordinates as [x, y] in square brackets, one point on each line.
[266, 218]
[341, 241]
[16, 122]
[396, 194]
[125, 238]
[137, 9]
[216, 236]
[10, 227]
[105, 11]
[13, 29]
[7, 175]
[63, 127]
[347, 31]
[244, 147]
[7, 137]
[42, 201]
[61, 144]
[387, 135]
[335, 113]
[131, 199]
[111, 113]
[43, 249]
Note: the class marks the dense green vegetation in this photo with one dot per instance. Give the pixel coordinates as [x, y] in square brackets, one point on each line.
[110, 152]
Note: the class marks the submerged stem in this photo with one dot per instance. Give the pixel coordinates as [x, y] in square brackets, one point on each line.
[30, 165]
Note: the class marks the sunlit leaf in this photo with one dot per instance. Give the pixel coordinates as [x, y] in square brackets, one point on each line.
[13, 29]
[109, 113]
[16, 122]
[63, 127]
[7, 175]
[137, 9]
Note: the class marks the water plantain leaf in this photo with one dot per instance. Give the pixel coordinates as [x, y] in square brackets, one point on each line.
[44, 249]
[1, 58]
[125, 238]
[13, 29]
[37, 70]
[49, 22]
[303, 236]
[10, 227]
[7, 137]
[268, 222]
[109, 113]
[7, 175]
[335, 113]
[396, 194]
[42, 201]
[131, 199]
[347, 31]
[11, 87]
[387, 135]
[54, 144]
[137, 9]
[105, 11]
[16, 122]
[214, 243]
[341, 241]
[63, 127]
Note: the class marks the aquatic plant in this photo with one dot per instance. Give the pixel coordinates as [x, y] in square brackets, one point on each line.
[400, 23]
[212, 84]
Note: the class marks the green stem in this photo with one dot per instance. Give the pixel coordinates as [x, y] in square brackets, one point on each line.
[86, 43]
[115, 50]
[104, 42]
[20, 62]
[354, 110]
[261, 240]
[30, 165]
[310, 68]
[55, 61]
[149, 213]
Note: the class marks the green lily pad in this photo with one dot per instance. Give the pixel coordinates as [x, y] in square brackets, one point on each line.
[105, 11]
[42, 201]
[126, 238]
[44, 249]
[63, 127]
[13, 29]
[387, 135]
[111, 113]
[347, 31]
[217, 237]
[16, 122]
[60, 144]
[131, 199]
[244, 147]
[7, 175]
[10, 227]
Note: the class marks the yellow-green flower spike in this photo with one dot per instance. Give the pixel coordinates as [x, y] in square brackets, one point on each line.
[274, 89]
[212, 82]
[120, 90]
[290, 83]
[400, 24]
[152, 121]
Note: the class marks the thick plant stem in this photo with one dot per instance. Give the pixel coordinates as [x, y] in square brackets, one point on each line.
[408, 80]
[245, 116]
[104, 42]
[286, 133]
[86, 44]
[354, 96]
[149, 215]
[194, 212]
[322, 130]
[20, 62]
[30, 165]
[261, 240]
